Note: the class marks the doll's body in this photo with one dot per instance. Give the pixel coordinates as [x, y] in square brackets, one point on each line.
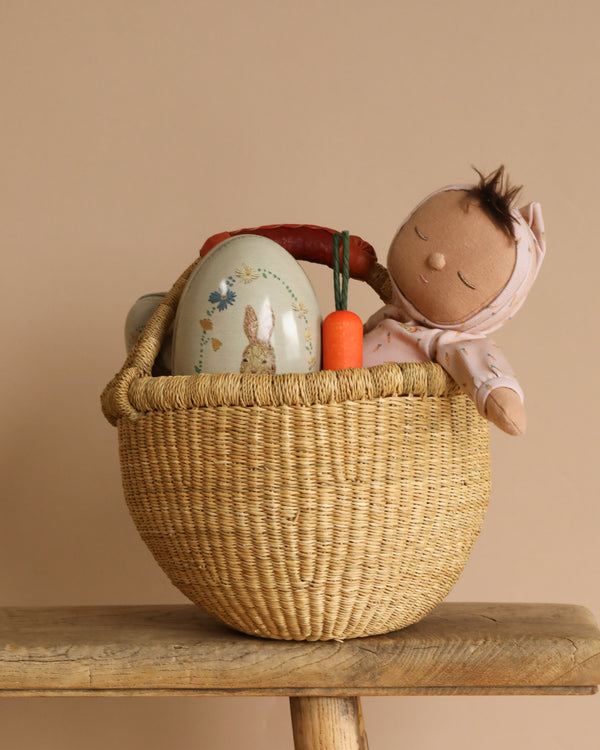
[461, 265]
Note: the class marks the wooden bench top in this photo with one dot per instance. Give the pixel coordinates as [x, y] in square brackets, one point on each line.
[179, 650]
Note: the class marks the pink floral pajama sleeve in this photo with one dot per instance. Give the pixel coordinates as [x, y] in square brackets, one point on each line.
[473, 360]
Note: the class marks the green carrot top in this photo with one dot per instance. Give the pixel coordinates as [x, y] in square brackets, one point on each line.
[341, 296]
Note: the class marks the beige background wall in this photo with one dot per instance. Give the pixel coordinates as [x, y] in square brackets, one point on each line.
[131, 131]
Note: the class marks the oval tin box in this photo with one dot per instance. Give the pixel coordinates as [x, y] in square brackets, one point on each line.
[247, 307]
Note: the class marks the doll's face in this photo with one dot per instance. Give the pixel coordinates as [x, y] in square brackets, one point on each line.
[450, 260]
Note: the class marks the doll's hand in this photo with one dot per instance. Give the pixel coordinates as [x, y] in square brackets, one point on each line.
[504, 408]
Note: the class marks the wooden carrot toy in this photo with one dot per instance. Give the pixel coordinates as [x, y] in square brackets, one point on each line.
[342, 338]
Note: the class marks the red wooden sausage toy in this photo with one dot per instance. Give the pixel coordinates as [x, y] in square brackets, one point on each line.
[307, 242]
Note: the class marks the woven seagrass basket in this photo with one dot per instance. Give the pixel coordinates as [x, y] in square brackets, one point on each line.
[318, 506]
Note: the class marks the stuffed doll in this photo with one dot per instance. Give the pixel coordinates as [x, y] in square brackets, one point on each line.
[461, 265]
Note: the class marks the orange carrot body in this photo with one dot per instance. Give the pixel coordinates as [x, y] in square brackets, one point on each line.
[342, 340]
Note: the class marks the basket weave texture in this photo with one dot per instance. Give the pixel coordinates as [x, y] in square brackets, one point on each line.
[318, 506]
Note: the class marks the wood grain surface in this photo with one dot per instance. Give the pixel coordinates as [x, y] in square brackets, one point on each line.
[164, 650]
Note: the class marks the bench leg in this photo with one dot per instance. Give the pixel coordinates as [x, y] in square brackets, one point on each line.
[328, 724]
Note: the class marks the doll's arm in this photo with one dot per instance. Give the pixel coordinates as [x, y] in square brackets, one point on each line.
[387, 312]
[483, 372]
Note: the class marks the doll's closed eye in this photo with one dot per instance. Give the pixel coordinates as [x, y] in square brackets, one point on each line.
[419, 234]
[464, 281]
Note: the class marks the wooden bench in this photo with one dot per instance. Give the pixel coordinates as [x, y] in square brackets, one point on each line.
[459, 649]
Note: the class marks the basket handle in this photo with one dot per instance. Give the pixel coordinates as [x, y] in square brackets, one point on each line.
[140, 360]
[138, 364]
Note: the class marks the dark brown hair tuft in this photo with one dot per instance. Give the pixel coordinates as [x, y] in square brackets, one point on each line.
[496, 196]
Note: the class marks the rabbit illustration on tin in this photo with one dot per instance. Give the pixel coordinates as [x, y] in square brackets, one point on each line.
[259, 355]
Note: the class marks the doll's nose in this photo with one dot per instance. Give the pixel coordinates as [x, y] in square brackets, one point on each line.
[437, 261]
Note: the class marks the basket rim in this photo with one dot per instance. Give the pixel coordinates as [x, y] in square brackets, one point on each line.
[165, 393]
